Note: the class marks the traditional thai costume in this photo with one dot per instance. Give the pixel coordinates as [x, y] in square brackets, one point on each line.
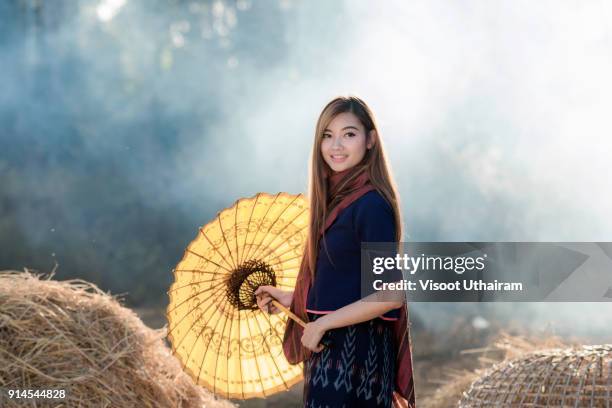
[369, 364]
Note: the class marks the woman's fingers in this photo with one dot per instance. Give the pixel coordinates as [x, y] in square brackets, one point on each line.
[273, 308]
[268, 289]
[268, 307]
[264, 296]
[311, 337]
[265, 304]
[261, 302]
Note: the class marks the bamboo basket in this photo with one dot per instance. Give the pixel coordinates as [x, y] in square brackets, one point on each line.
[571, 377]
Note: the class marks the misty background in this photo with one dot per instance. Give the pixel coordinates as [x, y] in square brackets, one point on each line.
[127, 124]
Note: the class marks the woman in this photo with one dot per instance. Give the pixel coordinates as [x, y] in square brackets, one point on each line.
[352, 199]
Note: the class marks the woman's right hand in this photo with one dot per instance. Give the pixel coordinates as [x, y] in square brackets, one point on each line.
[265, 294]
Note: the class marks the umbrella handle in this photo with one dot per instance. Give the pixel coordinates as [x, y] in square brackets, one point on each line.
[288, 312]
[324, 341]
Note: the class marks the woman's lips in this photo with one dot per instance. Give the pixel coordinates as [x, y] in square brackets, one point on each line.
[338, 158]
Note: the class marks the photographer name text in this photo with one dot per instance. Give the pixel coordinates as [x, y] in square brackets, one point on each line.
[458, 285]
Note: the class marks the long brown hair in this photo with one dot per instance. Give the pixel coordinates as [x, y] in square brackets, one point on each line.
[374, 162]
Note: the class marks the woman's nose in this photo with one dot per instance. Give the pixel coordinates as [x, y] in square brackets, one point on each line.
[336, 143]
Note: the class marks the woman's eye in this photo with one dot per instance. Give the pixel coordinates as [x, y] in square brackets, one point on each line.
[326, 135]
[350, 134]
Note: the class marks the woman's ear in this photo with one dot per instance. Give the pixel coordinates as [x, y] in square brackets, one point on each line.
[372, 136]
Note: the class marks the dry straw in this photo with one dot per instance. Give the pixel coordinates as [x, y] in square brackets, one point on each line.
[70, 335]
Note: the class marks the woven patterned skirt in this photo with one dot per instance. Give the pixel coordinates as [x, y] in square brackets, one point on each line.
[358, 370]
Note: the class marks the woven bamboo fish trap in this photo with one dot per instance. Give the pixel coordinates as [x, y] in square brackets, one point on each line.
[573, 377]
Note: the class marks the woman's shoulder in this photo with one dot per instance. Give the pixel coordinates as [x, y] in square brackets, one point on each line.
[373, 218]
[373, 200]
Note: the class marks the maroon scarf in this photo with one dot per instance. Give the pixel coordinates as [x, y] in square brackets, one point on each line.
[403, 395]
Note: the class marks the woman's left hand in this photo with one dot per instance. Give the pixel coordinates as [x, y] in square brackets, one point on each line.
[313, 332]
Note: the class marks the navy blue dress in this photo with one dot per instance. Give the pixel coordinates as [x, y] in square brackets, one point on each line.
[358, 369]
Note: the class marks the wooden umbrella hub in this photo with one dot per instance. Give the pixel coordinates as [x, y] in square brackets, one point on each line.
[243, 281]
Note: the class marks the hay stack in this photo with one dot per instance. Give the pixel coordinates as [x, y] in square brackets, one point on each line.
[576, 377]
[70, 335]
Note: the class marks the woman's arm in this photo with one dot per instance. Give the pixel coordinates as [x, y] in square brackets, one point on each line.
[356, 312]
[265, 294]
[353, 313]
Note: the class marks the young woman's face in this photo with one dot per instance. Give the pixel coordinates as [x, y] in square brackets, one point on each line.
[344, 142]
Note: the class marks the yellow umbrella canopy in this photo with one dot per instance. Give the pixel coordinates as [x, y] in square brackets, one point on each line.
[224, 342]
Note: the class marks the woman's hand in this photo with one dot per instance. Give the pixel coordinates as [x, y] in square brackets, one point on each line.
[313, 332]
[265, 294]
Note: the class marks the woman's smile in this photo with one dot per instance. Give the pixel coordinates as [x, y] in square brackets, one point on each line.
[338, 158]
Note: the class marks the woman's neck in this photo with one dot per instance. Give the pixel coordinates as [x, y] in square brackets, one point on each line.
[338, 175]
